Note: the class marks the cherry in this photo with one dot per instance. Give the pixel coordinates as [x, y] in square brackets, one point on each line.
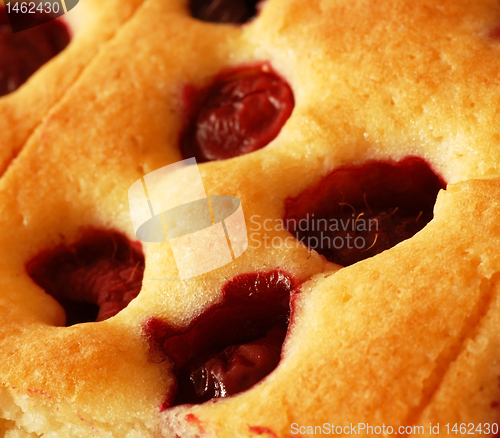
[239, 113]
[224, 11]
[93, 278]
[23, 53]
[235, 369]
[357, 212]
[232, 345]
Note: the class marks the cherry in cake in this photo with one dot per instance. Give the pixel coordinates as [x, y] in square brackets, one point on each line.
[357, 212]
[409, 337]
[224, 11]
[240, 112]
[93, 278]
[232, 345]
[23, 53]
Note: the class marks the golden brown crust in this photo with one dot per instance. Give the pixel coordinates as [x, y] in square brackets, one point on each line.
[91, 26]
[406, 337]
[393, 340]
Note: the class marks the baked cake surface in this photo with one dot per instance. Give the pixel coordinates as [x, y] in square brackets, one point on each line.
[90, 27]
[407, 337]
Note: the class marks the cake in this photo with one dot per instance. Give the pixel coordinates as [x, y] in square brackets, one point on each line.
[330, 121]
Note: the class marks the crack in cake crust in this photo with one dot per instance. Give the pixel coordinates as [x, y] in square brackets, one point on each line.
[18, 125]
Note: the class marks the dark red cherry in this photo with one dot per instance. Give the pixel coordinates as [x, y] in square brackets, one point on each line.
[93, 278]
[231, 346]
[236, 369]
[224, 11]
[23, 53]
[357, 212]
[239, 113]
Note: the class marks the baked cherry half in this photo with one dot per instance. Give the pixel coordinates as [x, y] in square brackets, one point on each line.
[232, 345]
[93, 278]
[23, 53]
[357, 212]
[224, 11]
[240, 112]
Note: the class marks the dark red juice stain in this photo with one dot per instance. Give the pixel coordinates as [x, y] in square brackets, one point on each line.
[93, 278]
[495, 33]
[261, 430]
[23, 53]
[357, 212]
[240, 112]
[232, 345]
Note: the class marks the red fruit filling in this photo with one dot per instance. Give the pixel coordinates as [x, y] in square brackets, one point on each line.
[357, 212]
[232, 345]
[224, 11]
[22, 53]
[93, 278]
[239, 113]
